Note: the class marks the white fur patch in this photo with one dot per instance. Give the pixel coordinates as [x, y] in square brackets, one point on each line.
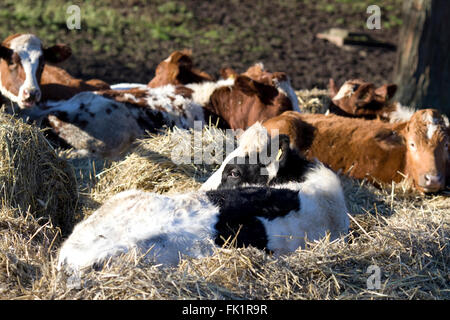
[203, 91]
[286, 88]
[322, 209]
[432, 125]
[167, 226]
[345, 91]
[127, 86]
[401, 113]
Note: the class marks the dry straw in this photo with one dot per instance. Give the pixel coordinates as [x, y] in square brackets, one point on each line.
[32, 177]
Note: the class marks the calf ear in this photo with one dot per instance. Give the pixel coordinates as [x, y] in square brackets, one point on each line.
[389, 139]
[333, 88]
[228, 73]
[57, 53]
[5, 53]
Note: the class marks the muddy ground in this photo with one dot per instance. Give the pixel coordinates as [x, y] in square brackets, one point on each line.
[123, 40]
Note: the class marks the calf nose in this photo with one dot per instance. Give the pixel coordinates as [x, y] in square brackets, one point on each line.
[431, 181]
[32, 94]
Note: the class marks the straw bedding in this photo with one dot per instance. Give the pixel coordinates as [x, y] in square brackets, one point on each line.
[403, 233]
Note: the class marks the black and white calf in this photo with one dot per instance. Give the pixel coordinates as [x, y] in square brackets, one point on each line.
[307, 203]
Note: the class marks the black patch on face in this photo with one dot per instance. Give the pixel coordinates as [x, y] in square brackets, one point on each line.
[291, 168]
[239, 209]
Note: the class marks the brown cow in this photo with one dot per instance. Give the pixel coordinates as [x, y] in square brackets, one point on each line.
[360, 99]
[246, 102]
[258, 73]
[382, 151]
[25, 78]
[178, 69]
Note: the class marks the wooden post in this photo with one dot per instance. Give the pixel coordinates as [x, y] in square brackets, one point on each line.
[422, 70]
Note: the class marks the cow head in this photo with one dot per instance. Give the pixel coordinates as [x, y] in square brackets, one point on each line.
[361, 99]
[427, 141]
[22, 59]
[178, 69]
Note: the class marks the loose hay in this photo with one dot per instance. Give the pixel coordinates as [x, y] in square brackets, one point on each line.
[151, 165]
[313, 101]
[32, 177]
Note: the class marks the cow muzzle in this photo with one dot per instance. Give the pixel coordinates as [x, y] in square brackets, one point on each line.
[431, 182]
[29, 98]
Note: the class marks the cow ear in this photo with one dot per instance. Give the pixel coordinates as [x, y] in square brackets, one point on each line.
[182, 59]
[228, 73]
[333, 88]
[246, 85]
[386, 92]
[363, 95]
[5, 53]
[389, 139]
[57, 53]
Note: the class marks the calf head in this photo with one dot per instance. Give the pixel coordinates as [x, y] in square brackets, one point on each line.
[358, 98]
[178, 69]
[22, 59]
[427, 141]
[258, 160]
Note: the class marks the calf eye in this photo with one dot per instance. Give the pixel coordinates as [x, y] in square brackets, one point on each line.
[412, 145]
[234, 173]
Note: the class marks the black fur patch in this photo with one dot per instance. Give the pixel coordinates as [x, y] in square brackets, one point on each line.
[239, 209]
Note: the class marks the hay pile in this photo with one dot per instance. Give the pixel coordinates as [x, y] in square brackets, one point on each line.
[32, 177]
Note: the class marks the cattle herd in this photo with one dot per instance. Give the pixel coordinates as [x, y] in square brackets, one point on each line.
[273, 205]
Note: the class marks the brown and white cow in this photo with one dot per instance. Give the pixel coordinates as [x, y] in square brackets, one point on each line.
[26, 79]
[385, 152]
[360, 99]
[178, 69]
[22, 59]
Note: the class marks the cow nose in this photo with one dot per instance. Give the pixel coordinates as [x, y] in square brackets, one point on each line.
[432, 181]
[32, 95]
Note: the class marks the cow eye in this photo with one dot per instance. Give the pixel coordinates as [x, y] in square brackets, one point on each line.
[234, 173]
[412, 145]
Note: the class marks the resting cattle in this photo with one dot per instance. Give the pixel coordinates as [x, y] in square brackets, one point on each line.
[360, 99]
[385, 152]
[297, 201]
[98, 123]
[178, 69]
[26, 79]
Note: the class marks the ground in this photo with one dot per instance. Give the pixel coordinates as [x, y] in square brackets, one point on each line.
[124, 40]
